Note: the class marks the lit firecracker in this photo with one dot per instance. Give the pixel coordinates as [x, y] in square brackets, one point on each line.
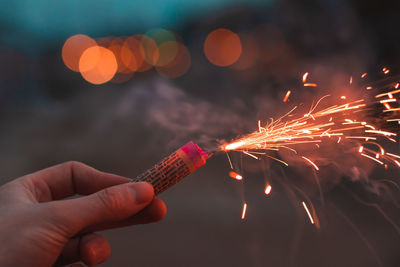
[345, 123]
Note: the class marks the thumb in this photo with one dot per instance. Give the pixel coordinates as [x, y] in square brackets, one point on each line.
[111, 204]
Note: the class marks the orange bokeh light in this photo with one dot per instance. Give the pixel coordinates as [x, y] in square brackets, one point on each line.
[73, 49]
[167, 52]
[116, 47]
[98, 65]
[178, 66]
[149, 50]
[222, 47]
[131, 56]
[250, 53]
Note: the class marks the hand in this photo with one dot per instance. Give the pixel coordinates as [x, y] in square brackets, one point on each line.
[38, 227]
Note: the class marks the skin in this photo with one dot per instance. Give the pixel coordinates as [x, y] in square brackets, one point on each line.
[39, 227]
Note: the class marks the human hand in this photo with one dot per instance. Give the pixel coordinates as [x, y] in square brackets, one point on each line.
[38, 227]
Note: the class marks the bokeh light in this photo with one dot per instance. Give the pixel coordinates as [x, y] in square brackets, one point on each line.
[73, 49]
[98, 65]
[131, 55]
[166, 44]
[178, 66]
[116, 47]
[149, 50]
[250, 53]
[116, 59]
[222, 47]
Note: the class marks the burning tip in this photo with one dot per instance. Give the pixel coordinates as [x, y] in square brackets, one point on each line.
[234, 146]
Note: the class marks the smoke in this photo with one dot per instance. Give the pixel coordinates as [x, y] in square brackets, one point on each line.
[169, 108]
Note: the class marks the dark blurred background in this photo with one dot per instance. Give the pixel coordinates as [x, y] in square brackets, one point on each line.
[50, 114]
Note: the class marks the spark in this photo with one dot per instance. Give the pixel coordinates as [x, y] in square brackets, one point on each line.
[350, 122]
[287, 96]
[381, 132]
[268, 189]
[250, 155]
[312, 163]
[385, 70]
[244, 211]
[305, 75]
[392, 109]
[386, 94]
[393, 155]
[364, 75]
[388, 100]
[310, 85]
[368, 156]
[235, 175]
[281, 161]
[351, 80]
[308, 212]
[387, 106]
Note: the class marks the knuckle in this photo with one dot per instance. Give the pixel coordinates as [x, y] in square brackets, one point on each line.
[73, 164]
[115, 201]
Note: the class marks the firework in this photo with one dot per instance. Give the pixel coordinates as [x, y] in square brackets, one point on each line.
[174, 168]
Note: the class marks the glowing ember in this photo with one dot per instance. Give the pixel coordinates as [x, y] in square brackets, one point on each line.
[385, 70]
[305, 75]
[310, 85]
[308, 212]
[244, 211]
[235, 175]
[268, 189]
[287, 96]
[312, 163]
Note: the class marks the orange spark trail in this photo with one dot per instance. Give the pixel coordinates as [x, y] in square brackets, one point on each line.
[308, 212]
[312, 163]
[286, 96]
[305, 77]
[366, 124]
[244, 211]
[310, 85]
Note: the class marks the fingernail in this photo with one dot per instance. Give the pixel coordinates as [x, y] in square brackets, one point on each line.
[142, 192]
